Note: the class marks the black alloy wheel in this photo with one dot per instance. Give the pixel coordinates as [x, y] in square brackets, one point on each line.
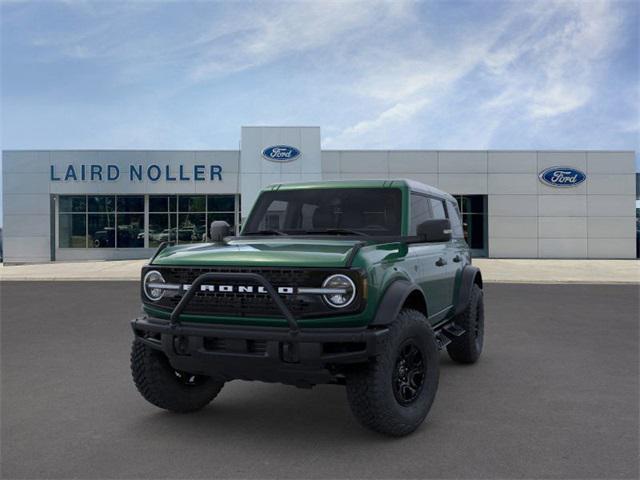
[408, 374]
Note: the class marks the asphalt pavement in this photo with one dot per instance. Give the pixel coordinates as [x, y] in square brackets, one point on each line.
[555, 395]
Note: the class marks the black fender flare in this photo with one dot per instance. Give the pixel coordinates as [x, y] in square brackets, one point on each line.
[470, 275]
[393, 299]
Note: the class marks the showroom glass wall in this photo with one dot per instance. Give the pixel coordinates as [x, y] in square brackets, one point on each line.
[473, 209]
[138, 221]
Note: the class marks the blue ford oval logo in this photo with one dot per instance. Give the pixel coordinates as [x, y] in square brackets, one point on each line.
[562, 176]
[281, 153]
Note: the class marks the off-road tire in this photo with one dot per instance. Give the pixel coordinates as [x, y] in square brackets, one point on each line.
[370, 388]
[160, 384]
[468, 347]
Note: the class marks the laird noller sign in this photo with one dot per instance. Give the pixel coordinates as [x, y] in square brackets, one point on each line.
[135, 173]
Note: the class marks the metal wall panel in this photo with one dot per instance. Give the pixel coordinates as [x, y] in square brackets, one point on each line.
[526, 218]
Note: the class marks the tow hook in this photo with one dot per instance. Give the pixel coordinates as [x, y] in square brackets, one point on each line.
[181, 345]
[289, 352]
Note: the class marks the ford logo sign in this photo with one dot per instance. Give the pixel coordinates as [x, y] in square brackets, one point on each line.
[562, 177]
[281, 153]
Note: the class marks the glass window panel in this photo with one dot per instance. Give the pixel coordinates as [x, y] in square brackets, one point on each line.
[72, 203]
[101, 229]
[374, 210]
[192, 203]
[456, 223]
[130, 230]
[131, 203]
[191, 227]
[102, 203]
[160, 229]
[221, 203]
[158, 203]
[274, 216]
[474, 226]
[476, 204]
[306, 213]
[437, 206]
[72, 230]
[471, 203]
[173, 203]
[420, 211]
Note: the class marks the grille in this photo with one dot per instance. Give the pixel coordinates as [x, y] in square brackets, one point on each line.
[251, 304]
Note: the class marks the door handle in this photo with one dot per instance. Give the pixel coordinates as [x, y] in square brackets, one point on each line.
[457, 258]
[441, 262]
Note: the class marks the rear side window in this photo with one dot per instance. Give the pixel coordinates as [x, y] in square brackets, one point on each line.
[420, 211]
[437, 207]
[456, 224]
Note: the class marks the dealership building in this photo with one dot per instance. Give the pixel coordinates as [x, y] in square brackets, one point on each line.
[121, 204]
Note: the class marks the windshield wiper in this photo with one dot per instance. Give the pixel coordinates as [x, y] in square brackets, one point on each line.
[265, 232]
[337, 231]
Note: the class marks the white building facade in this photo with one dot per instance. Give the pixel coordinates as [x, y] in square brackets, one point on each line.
[119, 204]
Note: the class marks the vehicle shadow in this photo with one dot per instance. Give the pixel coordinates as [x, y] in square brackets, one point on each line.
[251, 410]
[265, 412]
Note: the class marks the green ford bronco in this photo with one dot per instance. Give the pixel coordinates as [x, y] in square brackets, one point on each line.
[356, 283]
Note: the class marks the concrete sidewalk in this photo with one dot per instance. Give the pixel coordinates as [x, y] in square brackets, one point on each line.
[493, 271]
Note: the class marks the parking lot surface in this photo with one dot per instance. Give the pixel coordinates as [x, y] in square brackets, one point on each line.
[555, 395]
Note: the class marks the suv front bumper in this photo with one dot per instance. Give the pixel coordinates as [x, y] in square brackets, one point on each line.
[270, 354]
[290, 355]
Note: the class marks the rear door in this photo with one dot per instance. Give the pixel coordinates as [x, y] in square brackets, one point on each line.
[428, 263]
[460, 248]
[451, 254]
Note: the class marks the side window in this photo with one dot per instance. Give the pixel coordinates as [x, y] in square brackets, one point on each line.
[420, 211]
[437, 206]
[456, 223]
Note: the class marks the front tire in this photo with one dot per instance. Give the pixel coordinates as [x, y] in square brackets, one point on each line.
[394, 393]
[163, 386]
[468, 347]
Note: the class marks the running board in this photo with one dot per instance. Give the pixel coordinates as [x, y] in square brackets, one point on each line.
[453, 329]
[442, 340]
[446, 334]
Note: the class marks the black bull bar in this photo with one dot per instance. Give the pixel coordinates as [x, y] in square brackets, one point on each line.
[290, 355]
[256, 277]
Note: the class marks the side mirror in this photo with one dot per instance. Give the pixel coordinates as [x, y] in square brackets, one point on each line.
[219, 229]
[438, 230]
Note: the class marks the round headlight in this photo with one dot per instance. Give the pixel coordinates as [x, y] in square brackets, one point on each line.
[344, 291]
[150, 285]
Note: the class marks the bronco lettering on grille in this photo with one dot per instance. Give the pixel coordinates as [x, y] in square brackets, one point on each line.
[240, 289]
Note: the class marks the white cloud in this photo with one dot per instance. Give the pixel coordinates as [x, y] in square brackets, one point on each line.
[231, 37]
[398, 113]
[261, 37]
[377, 73]
[539, 60]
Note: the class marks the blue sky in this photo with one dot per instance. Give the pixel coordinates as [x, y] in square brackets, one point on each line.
[447, 75]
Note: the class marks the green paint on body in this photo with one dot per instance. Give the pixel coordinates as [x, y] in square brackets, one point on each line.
[382, 262]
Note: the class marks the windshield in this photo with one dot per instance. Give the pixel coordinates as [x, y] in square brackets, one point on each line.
[331, 211]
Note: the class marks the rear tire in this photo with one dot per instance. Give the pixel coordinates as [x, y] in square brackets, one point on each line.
[163, 386]
[393, 394]
[468, 347]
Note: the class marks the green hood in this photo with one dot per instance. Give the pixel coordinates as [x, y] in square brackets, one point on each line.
[256, 252]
